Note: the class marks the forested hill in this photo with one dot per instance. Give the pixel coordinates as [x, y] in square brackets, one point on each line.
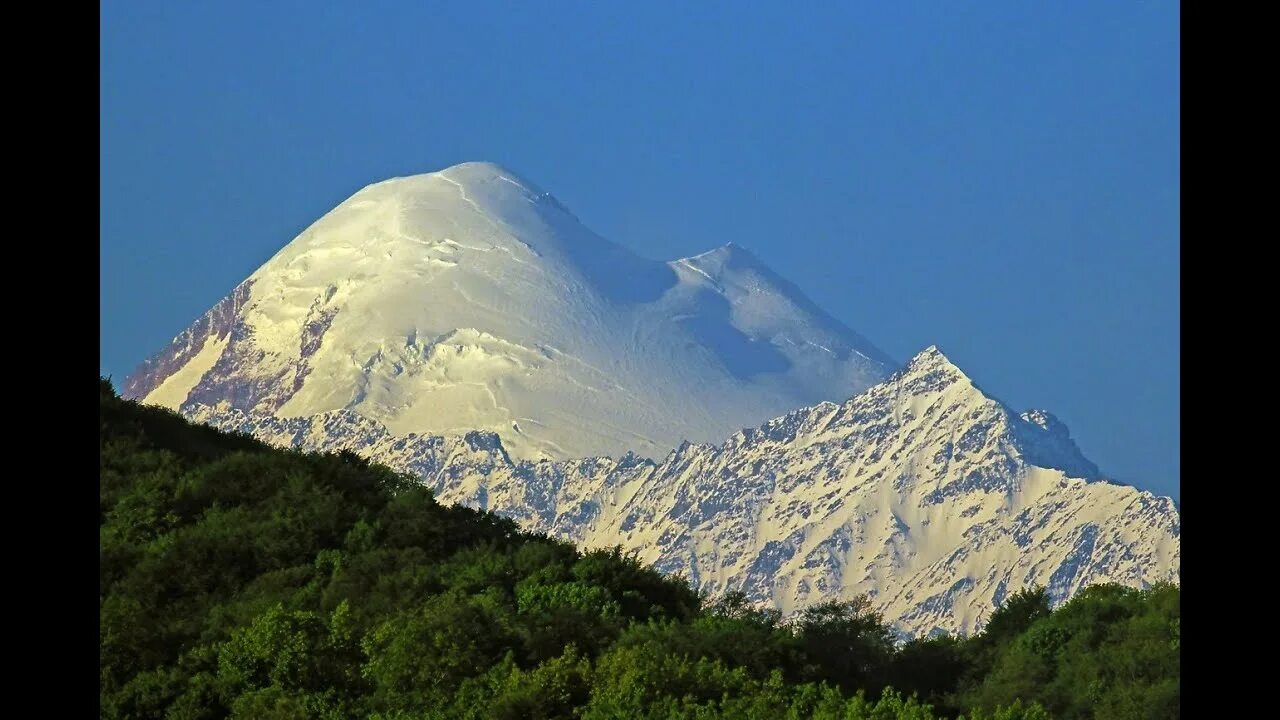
[239, 580]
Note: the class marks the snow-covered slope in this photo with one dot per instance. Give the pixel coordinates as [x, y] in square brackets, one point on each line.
[922, 491]
[470, 299]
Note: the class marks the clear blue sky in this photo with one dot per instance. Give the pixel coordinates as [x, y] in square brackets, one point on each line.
[998, 178]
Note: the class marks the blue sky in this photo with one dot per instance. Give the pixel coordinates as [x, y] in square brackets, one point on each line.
[998, 178]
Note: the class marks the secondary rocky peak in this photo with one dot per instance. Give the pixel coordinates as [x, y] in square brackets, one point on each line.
[930, 358]
[930, 371]
[1046, 441]
[1047, 421]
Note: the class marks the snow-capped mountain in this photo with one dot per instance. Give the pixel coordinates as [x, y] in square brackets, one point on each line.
[470, 299]
[922, 491]
[465, 327]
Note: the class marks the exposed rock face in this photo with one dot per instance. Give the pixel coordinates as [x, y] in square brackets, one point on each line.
[212, 329]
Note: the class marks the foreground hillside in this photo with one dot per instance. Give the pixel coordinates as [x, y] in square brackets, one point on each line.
[239, 580]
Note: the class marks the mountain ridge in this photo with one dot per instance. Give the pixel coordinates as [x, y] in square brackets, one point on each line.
[922, 491]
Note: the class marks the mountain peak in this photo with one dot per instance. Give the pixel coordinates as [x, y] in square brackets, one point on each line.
[479, 173]
[930, 359]
[476, 165]
[478, 169]
[930, 371]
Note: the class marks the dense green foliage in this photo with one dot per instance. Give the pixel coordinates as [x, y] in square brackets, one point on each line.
[243, 581]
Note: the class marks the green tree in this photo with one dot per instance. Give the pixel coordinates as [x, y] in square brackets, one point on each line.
[845, 643]
[417, 659]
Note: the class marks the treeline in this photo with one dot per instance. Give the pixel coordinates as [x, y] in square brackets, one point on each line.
[239, 580]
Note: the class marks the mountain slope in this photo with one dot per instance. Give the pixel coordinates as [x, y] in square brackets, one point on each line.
[471, 299]
[922, 491]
